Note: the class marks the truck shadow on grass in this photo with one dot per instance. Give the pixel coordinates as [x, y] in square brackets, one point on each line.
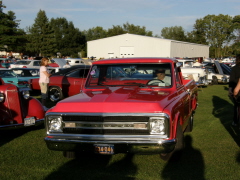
[223, 110]
[94, 166]
[8, 135]
[190, 166]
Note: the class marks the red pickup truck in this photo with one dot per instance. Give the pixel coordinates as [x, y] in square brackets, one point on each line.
[130, 105]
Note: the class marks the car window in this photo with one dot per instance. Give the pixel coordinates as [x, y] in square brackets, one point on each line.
[36, 63]
[79, 73]
[23, 62]
[7, 74]
[131, 75]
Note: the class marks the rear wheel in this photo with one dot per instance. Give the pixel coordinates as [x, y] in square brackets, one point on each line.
[175, 155]
[55, 94]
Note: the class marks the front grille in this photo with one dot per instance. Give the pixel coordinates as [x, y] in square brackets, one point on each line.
[106, 125]
[106, 118]
[14, 107]
[106, 131]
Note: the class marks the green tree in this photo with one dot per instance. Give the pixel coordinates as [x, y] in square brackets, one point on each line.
[40, 36]
[236, 44]
[115, 30]
[99, 32]
[10, 34]
[95, 33]
[69, 40]
[174, 32]
[130, 28]
[217, 30]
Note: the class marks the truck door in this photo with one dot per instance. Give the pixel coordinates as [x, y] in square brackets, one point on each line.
[184, 95]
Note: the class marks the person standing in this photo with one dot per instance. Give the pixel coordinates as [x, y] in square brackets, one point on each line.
[44, 81]
[233, 81]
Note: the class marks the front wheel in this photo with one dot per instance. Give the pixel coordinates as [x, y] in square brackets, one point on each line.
[175, 155]
[69, 154]
[190, 124]
[55, 94]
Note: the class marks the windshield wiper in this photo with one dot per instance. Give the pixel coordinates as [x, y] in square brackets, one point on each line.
[137, 84]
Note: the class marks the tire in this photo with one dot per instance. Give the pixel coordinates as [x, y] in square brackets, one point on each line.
[55, 94]
[69, 154]
[214, 80]
[190, 125]
[175, 155]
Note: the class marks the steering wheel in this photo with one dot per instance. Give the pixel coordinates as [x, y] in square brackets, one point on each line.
[154, 82]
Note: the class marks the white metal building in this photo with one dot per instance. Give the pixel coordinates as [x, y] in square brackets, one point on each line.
[131, 45]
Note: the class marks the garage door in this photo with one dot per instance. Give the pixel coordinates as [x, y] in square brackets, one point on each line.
[127, 51]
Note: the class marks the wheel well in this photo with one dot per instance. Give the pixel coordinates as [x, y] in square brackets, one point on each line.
[177, 120]
[55, 87]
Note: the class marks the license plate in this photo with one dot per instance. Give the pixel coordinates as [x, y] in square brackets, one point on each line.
[29, 121]
[104, 148]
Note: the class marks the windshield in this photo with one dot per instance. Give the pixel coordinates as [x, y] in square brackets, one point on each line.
[7, 74]
[130, 75]
[23, 62]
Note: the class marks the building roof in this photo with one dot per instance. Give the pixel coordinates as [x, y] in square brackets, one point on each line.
[150, 37]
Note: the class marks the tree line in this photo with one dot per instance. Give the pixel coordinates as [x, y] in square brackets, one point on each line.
[47, 37]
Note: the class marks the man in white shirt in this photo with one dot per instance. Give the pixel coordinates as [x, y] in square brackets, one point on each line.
[161, 79]
[67, 65]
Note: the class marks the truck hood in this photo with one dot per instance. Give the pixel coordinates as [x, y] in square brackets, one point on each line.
[117, 100]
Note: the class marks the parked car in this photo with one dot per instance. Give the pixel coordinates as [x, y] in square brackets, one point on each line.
[17, 108]
[57, 62]
[125, 108]
[186, 62]
[5, 62]
[191, 71]
[26, 64]
[19, 76]
[64, 83]
[79, 61]
[218, 72]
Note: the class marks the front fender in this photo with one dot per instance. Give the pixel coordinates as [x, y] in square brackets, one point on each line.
[175, 123]
[35, 109]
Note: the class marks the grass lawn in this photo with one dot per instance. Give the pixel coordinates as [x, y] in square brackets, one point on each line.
[211, 152]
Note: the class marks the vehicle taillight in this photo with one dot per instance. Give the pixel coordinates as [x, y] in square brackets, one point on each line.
[24, 66]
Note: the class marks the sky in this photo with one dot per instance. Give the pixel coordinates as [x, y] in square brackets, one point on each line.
[153, 14]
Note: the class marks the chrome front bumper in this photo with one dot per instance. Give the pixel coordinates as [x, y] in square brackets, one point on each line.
[121, 145]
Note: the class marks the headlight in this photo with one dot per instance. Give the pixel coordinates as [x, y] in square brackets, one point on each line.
[55, 123]
[26, 94]
[2, 97]
[157, 125]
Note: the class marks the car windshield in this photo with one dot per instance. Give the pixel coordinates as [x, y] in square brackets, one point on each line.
[130, 75]
[26, 72]
[7, 74]
[23, 62]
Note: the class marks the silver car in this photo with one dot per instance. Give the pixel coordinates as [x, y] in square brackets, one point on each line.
[26, 64]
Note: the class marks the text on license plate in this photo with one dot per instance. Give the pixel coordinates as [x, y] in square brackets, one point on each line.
[29, 121]
[104, 148]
